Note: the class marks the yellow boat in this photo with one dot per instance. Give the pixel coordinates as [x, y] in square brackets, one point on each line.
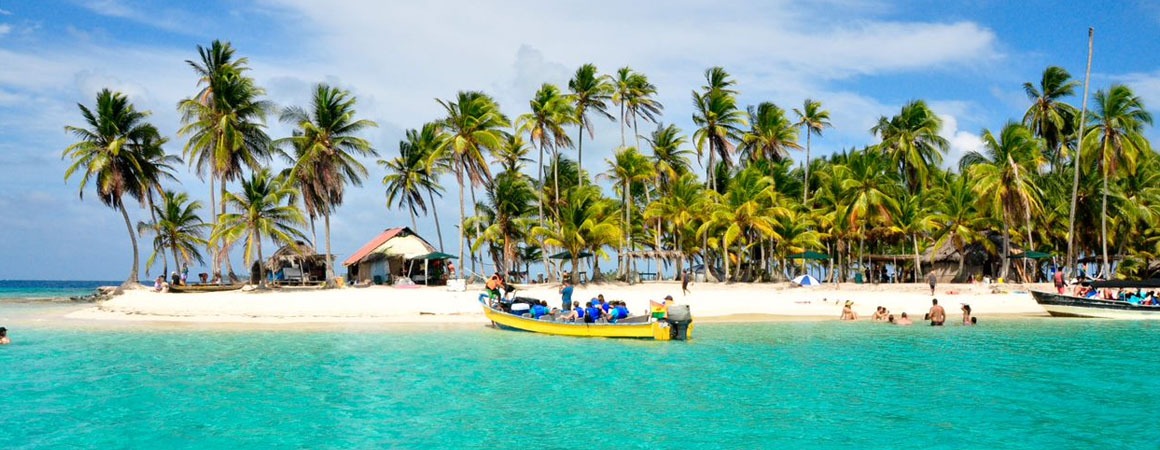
[662, 330]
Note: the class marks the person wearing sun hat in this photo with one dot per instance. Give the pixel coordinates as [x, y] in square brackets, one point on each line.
[660, 310]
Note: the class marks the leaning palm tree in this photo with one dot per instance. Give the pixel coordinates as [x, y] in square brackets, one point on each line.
[225, 124]
[591, 92]
[109, 152]
[474, 123]
[1115, 139]
[265, 209]
[177, 228]
[406, 180]
[1003, 179]
[431, 143]
[813, 119]
[327, 136]
[1049, 117]
[771, 134]
[912, 142]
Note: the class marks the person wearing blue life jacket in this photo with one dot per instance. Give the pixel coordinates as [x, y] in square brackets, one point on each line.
[604, 306]
[540, 309]
[592, 312]
[623, 309]
[576, 314]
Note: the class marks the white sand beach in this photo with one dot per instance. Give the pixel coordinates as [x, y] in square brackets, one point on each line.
[710, 302]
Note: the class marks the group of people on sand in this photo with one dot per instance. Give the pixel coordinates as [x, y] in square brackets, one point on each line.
[936, 315]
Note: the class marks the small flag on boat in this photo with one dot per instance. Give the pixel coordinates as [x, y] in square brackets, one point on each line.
[659, 309]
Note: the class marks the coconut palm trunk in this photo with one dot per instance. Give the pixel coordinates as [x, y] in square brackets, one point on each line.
[1006, 247]
[261, 262]
[435, 212]
[462, 211]
[580, 155]
[1105, 266]
[806, 177]
[214, 250]
[1078, 152]
[133, 276]
[225, 255]
[329, 263]
[544, 251]
[917, 260]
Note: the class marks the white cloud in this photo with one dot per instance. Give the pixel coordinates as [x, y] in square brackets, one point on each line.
[5, 29]
[960, 141]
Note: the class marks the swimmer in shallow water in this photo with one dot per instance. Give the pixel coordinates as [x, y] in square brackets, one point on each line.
[4, 336]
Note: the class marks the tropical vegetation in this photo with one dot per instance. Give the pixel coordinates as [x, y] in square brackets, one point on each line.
[753, 215]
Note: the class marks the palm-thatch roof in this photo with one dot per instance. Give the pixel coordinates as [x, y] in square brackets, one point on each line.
[294, 255]
[663, 255]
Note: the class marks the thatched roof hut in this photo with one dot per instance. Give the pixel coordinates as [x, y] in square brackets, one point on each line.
[295, 263]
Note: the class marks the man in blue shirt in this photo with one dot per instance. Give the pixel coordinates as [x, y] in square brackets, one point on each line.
[566, 295]
[539, 310]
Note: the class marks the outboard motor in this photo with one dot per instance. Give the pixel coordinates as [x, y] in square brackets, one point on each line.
[679, 319]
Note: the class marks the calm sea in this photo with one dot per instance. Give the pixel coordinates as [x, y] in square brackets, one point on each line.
[1034, 383]
[45, 290]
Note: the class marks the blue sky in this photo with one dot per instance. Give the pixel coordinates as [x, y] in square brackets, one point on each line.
[862, 59]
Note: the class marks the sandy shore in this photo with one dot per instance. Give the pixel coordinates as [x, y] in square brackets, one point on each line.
[437, 305]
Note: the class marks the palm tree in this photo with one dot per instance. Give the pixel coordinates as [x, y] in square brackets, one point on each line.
[509, 206]
[718, 120]
[177, 228]
[551, 112]
[327, 135]
[590, 92]
[1049, 118]
[265, 209]
[109, 152]
[407, 178]
[1115, 138]
[813, 119]
[474, 123]
[911, 140]
[580, 225]
[957, 215]
[431, 143]
[224, 122]
[771, 135]
[1003, 181]
[869, 193]
[628, 168]
[744, 213]
[670, 159]
[914, 220]
[678, 209]
[634, 94]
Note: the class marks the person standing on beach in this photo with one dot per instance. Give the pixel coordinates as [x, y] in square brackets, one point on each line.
[931, 280]
[937, 315]
[566, 295]
[1058, 280]
[685, 282]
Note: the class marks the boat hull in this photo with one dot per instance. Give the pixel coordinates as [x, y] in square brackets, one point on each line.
[1070, 306]
[190, 289]
[660, 330]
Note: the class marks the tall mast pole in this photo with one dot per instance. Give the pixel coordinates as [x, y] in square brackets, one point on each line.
[1079, 151]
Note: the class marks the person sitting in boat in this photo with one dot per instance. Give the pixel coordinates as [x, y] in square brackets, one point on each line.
[576, 314]
[604, 306]
[592, 312]
[540, 309]
[617, 312]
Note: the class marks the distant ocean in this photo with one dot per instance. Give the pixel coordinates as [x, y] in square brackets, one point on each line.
[1009, 384]
[48, 289]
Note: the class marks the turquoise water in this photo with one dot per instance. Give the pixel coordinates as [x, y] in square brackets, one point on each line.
[55, 289]
[1035, 383]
